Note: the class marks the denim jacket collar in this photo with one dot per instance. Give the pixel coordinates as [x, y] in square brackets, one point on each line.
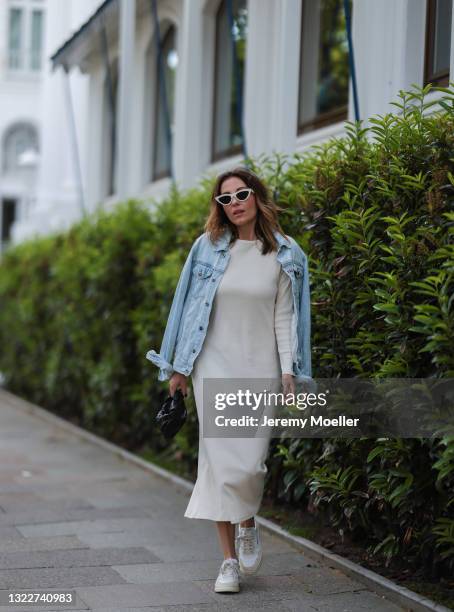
[222, 243]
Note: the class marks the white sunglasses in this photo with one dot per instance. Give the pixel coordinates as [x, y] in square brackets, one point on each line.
[227, 198]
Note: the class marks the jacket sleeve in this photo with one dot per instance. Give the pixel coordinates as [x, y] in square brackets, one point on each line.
[163, 359]
[305, 371]
[305, 316]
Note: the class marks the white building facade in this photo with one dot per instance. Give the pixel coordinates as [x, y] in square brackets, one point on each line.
[135, 94]
[22, 32]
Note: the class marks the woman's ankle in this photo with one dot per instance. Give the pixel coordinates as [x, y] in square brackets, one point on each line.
[248, 523]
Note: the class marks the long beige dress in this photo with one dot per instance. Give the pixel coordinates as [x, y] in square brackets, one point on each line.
[249, 335]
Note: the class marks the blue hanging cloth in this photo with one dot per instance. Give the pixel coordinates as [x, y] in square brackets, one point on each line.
[351, 58]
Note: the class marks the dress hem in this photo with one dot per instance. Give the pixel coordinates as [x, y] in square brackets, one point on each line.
[233, 521]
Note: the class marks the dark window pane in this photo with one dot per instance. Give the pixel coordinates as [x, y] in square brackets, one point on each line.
[15, 42]
[227, 136]
[110, 128]
[8, 217]
[438, 42]
[36, 40]
[163, 146]
[324, 69]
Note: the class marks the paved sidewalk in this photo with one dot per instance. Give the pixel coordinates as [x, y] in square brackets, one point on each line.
[74, 516]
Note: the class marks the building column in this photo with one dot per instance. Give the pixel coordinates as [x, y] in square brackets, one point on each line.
[259, 81]
[188, 139]
[57, 198]
[272, 67]
[127, 29]
[284, 108]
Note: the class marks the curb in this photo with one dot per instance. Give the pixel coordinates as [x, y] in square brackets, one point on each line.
[402, 596]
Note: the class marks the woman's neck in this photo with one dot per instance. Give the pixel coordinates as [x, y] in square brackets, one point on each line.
[246, 233]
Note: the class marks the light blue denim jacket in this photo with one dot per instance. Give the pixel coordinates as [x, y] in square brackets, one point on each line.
[190, 311]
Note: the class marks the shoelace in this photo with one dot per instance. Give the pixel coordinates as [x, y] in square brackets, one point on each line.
[248, 539]
[229, 567]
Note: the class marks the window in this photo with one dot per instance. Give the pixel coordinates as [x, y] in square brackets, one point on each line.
[19, 146]
[15, 38]
[438, 42]
[25, 35]
[164, 105]
[109, 152]
[324, 69]
[36, 40]
[231, 37]
[8, 212]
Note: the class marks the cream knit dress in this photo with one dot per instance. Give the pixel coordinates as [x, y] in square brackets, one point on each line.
[249, 335]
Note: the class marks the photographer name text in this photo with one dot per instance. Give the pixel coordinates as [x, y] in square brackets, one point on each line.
[313, 421]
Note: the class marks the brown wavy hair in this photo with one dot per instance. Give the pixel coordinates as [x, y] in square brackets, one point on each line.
[267, 210]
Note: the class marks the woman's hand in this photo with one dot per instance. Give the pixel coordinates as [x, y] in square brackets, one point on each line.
[288, 384]
[178, 381]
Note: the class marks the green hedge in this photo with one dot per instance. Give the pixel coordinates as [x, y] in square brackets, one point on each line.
[374, 212]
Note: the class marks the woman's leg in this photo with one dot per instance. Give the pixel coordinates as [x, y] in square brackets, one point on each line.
[248, 522]
[226, 533]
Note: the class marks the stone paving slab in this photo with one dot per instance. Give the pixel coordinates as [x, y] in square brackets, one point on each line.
[55, 577]
[290, 564]
[75, 516]
[9, 533]
[95, 526]
[162, 545]
[42, 514]
[128, 595]
[21, 501]
[346, 602]
[339, 602]
[77, 558]
[31, 544]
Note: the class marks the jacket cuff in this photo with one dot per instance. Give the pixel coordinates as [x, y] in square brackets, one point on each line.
[165, 368]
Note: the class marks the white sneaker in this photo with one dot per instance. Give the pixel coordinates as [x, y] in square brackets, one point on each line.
[248, 547]
[228, 580]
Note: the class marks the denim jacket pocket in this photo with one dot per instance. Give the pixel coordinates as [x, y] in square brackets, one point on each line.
[201, 273]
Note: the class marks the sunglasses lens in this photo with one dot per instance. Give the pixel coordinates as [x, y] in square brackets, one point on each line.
[224, 199]
[243, 195]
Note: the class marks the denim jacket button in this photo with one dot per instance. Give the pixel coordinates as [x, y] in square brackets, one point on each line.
[200, 328]
[207, 303]
[193, 350]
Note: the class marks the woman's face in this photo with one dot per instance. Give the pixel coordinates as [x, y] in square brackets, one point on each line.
[239, 213]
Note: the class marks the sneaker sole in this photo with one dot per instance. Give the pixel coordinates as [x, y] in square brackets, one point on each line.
[227, 589]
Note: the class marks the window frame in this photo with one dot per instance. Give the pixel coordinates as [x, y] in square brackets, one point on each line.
[9, 133]
[440, 79]
[233, 149]
[156, 176]
[31, 53]
[322, 119]
[27, 8]
[20, 58]
[110, 132]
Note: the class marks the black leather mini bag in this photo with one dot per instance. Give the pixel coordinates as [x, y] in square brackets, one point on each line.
[172, 415]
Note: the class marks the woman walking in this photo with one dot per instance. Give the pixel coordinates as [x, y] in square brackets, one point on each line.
[250, 331]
